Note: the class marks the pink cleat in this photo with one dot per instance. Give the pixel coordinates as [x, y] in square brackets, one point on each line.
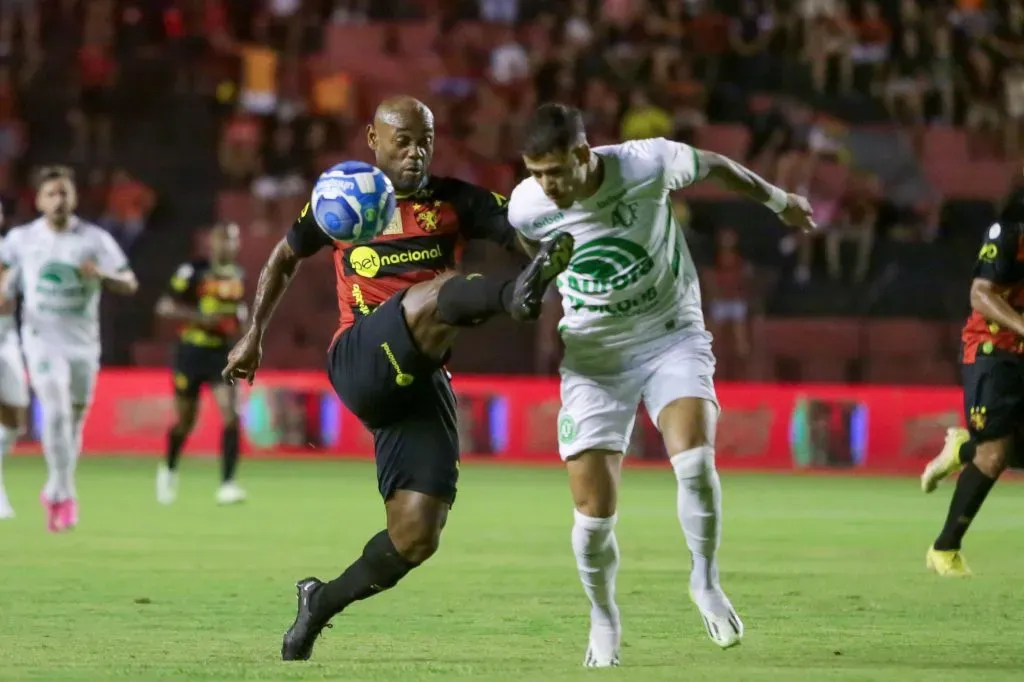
[54, 514]
[68, 513]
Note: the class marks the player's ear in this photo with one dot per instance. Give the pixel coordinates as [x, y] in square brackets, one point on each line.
[582, 154]
[371, 137]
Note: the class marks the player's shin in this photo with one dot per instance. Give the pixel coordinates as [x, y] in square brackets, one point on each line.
[8, 436]
[597, 559]
[699, 506]
[176, 437]
[466, 301]
[58, 449]
[229, 447]
[972, 487]
[379, 568]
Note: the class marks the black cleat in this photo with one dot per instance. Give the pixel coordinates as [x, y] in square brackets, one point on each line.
[298, 641]
[551, 260]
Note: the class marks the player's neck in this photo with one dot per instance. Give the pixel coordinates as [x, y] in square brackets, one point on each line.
[61, 227]
[595, 177]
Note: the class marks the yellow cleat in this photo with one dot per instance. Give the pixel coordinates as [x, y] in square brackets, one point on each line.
[947, 462]
[947, 563]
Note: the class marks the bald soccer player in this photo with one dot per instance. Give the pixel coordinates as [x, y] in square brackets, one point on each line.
[401, 304]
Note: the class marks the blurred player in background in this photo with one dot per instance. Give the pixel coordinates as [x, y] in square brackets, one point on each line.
[401, 305]
[205, 297]
[14, 397]
[633, 328]
[992, 365]
[63, 263]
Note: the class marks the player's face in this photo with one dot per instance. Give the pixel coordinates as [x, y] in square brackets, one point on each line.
[224, 244]
[404, 151]
[57, 199]
[562, 175]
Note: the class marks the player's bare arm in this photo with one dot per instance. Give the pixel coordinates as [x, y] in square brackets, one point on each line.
[792, 209]
[986, 299]
[176, 311]
[121, 282]
[276, 275]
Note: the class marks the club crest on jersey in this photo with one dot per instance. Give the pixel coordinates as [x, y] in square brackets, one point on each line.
[427, 217]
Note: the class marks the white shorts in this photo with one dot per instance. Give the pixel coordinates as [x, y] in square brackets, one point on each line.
[61, 377]
[598, 412]
[13, 382]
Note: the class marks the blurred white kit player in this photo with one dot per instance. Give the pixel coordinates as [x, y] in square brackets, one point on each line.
[63, 264]
[14, 398]
[633, 329]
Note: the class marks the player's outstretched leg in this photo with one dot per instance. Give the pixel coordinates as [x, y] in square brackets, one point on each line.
[688, 426]
[957, 451]
[414, 528]
[186, 404]
[594, 480]
[53, 391]
[229, 491]
[972, 487]
[11, 420]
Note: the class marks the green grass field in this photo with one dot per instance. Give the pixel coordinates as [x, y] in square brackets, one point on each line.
[827, 573]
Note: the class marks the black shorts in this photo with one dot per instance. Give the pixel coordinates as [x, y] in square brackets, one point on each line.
[195, 366]
[403, 397]
[994, 396]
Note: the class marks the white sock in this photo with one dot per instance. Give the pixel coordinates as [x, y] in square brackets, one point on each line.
[8, 437]
[58, 449]
[597, 558]
[699, 506]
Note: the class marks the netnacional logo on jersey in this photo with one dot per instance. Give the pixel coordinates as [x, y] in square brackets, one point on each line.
[366, 262]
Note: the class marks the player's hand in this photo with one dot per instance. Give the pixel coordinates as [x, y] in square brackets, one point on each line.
[798, 213]
[244, 359]
[89, 269]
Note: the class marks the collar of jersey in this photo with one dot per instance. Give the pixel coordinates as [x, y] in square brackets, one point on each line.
[423, 185]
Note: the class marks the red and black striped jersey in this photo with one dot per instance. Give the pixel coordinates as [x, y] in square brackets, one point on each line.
[425, 237]
[1000, 261]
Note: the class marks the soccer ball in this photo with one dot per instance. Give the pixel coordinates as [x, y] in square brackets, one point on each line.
[353, 201]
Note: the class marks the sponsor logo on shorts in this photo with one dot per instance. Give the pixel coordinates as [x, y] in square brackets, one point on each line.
[566, 429]
[366, 262]
[401, 378]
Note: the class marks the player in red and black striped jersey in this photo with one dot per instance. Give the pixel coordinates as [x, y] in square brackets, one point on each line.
[992, 360]
[401, 305]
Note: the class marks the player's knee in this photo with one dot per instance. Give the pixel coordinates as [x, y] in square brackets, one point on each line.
[992, 457]
[693, 463]
[416, 536]
[186, 418]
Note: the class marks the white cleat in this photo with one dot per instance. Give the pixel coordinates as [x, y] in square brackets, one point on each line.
[6, 510]
[166, 485]
[721, 621]
[595, 658]
[230, 493]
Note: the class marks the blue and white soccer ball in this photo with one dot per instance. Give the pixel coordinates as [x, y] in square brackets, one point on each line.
[353, 201]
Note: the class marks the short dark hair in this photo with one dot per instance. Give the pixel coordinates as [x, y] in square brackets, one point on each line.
[47, 173]
[553, 128]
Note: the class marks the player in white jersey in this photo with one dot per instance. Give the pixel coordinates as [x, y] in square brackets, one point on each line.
[633, 328]
[13, 384]
[63, 264]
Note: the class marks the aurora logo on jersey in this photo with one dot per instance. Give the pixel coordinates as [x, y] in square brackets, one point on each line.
[607, 264]
[61, 289]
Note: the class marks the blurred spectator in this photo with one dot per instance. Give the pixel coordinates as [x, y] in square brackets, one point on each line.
[830, 40]
[855, 222]
[239, 149]
[15, 14]
[644, 119]
[96, 76]
[94, 195]
[499, 11]
[1007, 42]
[259, 73]
[871, 51]
[983, 92]
[10, 128]
[281, 174]
[510, 65]
[750, 34]
[350, 11]
[728, 284]
[944, 74]
[689, 97]
[129, 204]
[579, 30]
[709, 33]
[907, 81]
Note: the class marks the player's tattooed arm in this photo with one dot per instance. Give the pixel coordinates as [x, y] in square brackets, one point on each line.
[792, 209]
[274, 279]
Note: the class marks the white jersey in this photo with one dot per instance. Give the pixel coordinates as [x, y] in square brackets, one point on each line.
[8, 331]
[631, 280]
[60, 309]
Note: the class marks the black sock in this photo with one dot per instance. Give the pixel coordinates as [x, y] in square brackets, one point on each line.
[971, 490]
[175, 442]
[228, 452]
[379, 568]
[967, 450]
[466, 301]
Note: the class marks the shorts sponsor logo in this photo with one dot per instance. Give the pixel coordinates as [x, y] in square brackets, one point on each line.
[366, 262]
[401, 378]
[566, 429]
